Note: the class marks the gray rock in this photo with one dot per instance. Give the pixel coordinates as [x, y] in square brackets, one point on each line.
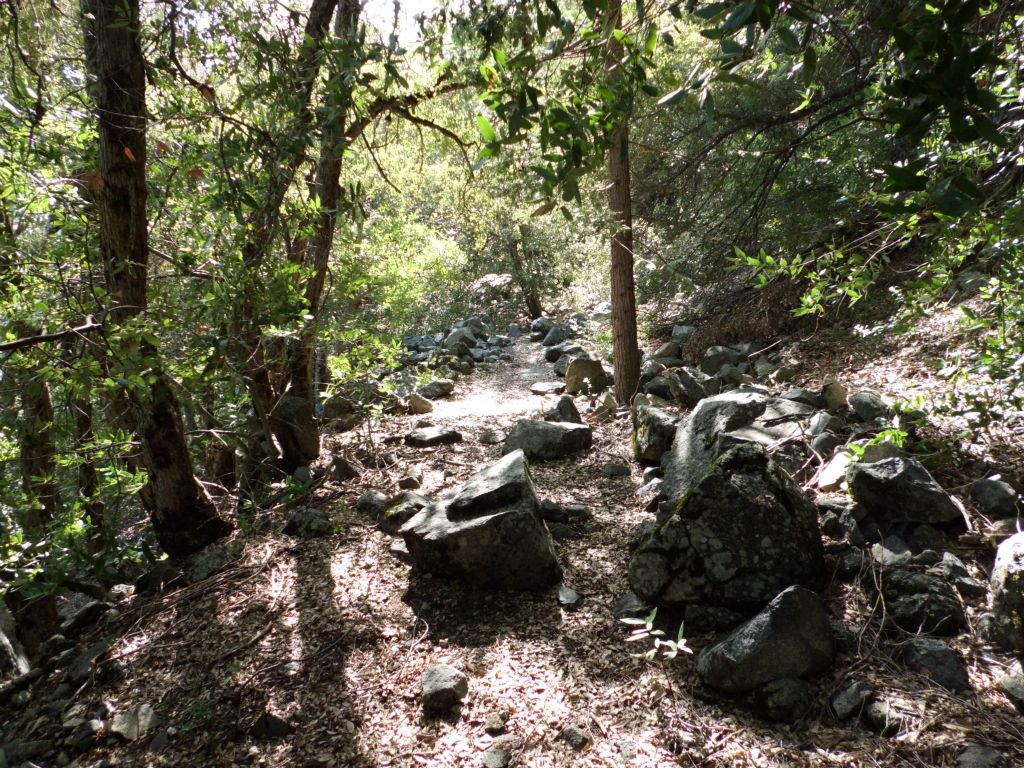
[936, 660]
[460, 336]
[82, 667]
[84, 617]
[655, 429]
[868, 405]
[834, 395]
[884, 717]
[743, 533]
[781, 701]
[891, 551]
[444, 688]
[577, 738]
[824, 422]
[629, 606]
[805, 396]
[338, 407]
[980, 756]
[558, 351]
[668, 349]
[495, 758]
[548, 439]
[693, 386]
[212, 561]
[547, 388]
[826, 443]
[495, 723]
[553, 512]
[1007, 583]
[557, 335]
[917, 602]
[564, 410]
[309, 523]
[401, 509]
[851, 700]
[418, 404]
[346, 468]
[303, 475]
[412, 479]
[902, 491]
[399, 550]
[436, 389]
[372, 502]
[1012, 685]
[135, 723]
[716, 357]
[429, 437]
[488, 533]
[569, 598]
[995, 498]
[542, 325]
[615, 469]
[791, 637]
[270, 726]
[682, 333]
[701, 619]
[584, 375]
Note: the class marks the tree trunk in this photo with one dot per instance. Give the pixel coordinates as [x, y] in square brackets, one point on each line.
[38, 454]
[88, 481]
[625, 348]
[526, 283]
[183, 516]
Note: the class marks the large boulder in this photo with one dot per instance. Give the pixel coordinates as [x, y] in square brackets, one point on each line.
[900, 490]
[790, 638]
[696, 443]
[585, 375]
[1008, 594]
[437, 388]
[744, 532]
[548, 439]
[488, 533]
[654, 431]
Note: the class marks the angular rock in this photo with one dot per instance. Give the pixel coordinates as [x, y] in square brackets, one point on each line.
[868, 405]
[488, 533]
[557, 335]
[309, 523]
[917, 602]
[980, 756]
[84, 663]
[716, 357]
[852, 700]
[401, 509]
[682, 333]
[418, 404]
[444, 688]
[437, 388]
[346, 468]
[834, 472]
[655, 429]
[558, 351]
[547, 388]
[563, 410]
[577, 738]
[542, 325]
[584, 375]
[742, 534]
[785, 700]
[548, 439]
[135, 723]
[790, 638]
[84, 617]
[900, 490]
[429, 437]
[1007, 583]
[884, 717]
[1012, 685]
[372, 502]
[938, 661]
[495, 758]
[995, 498]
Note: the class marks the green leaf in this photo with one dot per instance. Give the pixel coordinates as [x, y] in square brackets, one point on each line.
[486, 129]
[711, 12]
[788, 39]
[672, 98]
[738, 18]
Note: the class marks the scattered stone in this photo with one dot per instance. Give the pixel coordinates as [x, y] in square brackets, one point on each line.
[918, 602]
[655, 429]
[781, 701]
[542, 325]
[399, 550]
[82, 667]
[607, 407]
[418, 404]
[868, 405]
[488, 532]
[956, 572]
[891, 551]
[980, 756]
[558, 351]
[995, 498]
[825, 444]
[84, 617]
[834, 472]
[1012, 684]
[716, 357]
[629, 606]
[884, 718]
[577, 738]
[900, 490]
[491, 437]
[936, 660]
[682, 333]
[412, 479]
[495, 758]
[401, 509]
[495, 723]
[372, 502]
[444, 688]
[429, 437]
[437, 388]
[563, 410]
[805, 396]
[212, 561]
[135, 723]
[309, 523]
[743, 533]
[346, 468]
[851, 701]
[547, 388]
[548, 439]
[270, 726]
[553, 512]
[557, 335]
[569, 598]
[584, 375]
[1007, 583]
[615, 469]
[791, 637]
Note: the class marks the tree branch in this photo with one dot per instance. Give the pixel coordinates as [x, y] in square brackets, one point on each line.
[43, 338]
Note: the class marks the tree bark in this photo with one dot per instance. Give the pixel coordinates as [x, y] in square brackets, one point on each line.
[625, 348]
[183, 516]
[38, 454]
[527, 283]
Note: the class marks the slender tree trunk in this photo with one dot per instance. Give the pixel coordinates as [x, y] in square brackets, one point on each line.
[38, 453]
[183, 516]
[527, 284]
[625, 348]
[88, 479]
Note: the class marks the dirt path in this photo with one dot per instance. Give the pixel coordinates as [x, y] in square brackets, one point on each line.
[333, 635]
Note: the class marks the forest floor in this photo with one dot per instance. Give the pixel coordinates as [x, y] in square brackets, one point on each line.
[332, 635]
